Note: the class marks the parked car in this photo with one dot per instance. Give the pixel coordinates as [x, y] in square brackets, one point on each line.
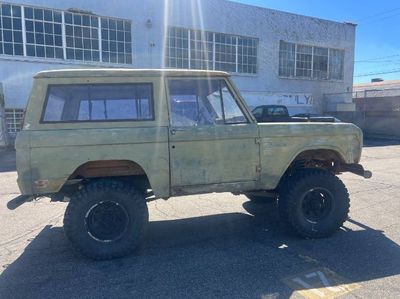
[274, 113]
[109, 140]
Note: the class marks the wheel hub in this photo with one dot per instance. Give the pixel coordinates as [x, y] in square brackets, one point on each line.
[316, 204]
[106, 221]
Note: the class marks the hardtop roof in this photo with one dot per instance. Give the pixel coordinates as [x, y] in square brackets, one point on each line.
[124, 72]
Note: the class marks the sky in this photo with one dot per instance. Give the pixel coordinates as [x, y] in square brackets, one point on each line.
[377, 35]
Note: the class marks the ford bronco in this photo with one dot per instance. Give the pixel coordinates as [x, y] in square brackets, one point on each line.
[109, 140]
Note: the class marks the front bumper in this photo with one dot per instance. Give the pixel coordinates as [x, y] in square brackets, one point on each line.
[355, 168]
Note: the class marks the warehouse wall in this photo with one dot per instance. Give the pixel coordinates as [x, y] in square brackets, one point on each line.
[268, 26]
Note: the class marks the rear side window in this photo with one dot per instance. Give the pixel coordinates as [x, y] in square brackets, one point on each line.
[102, 102]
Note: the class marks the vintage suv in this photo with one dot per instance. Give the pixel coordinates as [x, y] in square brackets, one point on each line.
[109, 140]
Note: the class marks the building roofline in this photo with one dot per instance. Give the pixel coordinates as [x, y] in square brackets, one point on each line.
[292, 13]
[123, 72]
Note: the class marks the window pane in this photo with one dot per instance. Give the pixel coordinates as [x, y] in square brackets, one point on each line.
[247, 55]
[201, 45]
[225, 52]
[11, 30]
[287, 52]
[336, 64]
[116, 39]
[81, 37]
[233, 113]
[303, 61]
[195, 102]
[99, 102]
[177, 55]
[320, 63]
[41, 31]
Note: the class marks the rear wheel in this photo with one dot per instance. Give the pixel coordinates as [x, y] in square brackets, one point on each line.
[106, 219]
[314, 203]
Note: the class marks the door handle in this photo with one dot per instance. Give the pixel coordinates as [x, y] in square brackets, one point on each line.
[174, 130]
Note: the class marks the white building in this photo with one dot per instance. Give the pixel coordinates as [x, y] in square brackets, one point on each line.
[273, 56]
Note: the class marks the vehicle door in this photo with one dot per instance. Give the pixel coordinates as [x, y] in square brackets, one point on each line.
[211, 139]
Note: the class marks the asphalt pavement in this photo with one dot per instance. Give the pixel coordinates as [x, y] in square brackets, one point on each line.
[213, 246]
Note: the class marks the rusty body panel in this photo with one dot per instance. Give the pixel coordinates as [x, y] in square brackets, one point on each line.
[176, 161]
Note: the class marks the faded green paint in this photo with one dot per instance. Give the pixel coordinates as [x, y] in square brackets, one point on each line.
[177, 161]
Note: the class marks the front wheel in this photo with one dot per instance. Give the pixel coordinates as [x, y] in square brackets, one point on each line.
[106, 219]
[314, 203]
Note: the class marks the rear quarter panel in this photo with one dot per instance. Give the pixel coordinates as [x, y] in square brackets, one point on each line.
[55, 155]
[58, 149]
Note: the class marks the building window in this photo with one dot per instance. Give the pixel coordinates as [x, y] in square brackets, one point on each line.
[72, 35]
[304, 61]
[201, 50]
[177, 55]
[11, 42]
[247, 55]
[287, 59]
[82, 37]
[336, 63]
[310, 62]
[320, 63]
[43, 33]
[116, 41]
[225, 52]
[14, 120]
[195, 49]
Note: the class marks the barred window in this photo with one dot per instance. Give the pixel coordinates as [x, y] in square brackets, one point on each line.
[43, 33]
[225, 52]
[56, 34]
[247, 55]
[82, 37]
[195, 49]
[201, 50]
[310, 62]
[304, 61]
[116, 41]
[287, 59]
[14, 119]
[336, 64]
[177, 55]
[11, 42]
[320, 63]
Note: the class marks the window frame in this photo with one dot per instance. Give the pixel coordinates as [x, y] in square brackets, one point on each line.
[230, 90]
[241, 58]
[49, 86]
[128, 61]
[312, 77]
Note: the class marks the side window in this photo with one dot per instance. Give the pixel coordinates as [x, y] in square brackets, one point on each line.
[277, 111]
[258, 112]
[102, 102]
[199, 102]
[233, 113]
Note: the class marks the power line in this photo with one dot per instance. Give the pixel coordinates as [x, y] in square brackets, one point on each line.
[380, 19]
[378, 14]
[379, 73]
[377, 58]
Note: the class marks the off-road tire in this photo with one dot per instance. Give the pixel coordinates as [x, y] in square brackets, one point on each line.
[293, 192]
[98, 192]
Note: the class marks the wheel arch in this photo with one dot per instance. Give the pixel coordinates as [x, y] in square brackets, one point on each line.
[126, 170]
[326, 158]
